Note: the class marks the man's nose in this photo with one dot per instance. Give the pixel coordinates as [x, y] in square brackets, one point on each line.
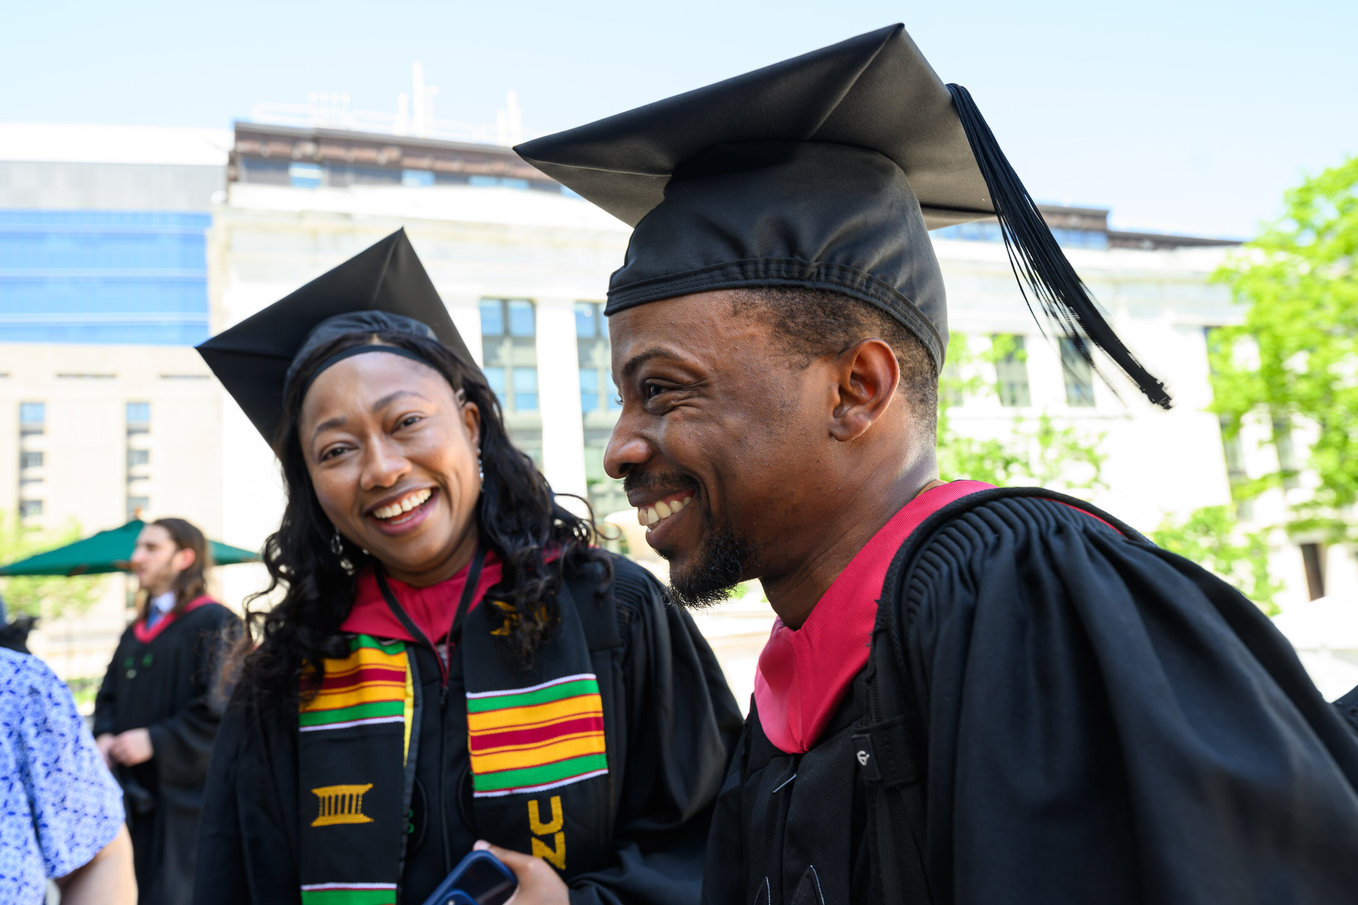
[626, 447]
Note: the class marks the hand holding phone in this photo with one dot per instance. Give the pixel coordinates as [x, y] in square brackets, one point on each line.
[479, 879]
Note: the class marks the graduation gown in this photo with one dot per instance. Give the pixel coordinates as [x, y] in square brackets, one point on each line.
[670, 723]
[168, 681]
[1106, 722]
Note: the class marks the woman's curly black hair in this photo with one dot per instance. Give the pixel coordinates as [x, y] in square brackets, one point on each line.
[517, 516]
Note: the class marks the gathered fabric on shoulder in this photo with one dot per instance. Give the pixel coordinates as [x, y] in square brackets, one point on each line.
[1101, 721]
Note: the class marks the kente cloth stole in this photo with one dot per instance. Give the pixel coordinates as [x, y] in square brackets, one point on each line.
[356, 756]
[529, 731]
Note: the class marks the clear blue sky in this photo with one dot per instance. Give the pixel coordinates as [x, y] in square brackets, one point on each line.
[1176, 114]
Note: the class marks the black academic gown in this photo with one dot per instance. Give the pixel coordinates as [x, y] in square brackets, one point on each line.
[171, 686]
[670, 723]
[1106, 723]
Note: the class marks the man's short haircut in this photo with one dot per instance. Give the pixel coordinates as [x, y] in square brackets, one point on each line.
[811, 323]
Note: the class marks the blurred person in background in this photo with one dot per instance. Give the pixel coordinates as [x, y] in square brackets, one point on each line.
[14, 635]
[158, 709]
[61, 812]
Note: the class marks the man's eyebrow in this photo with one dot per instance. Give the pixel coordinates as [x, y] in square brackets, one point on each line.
[377, 406]
[636, 361]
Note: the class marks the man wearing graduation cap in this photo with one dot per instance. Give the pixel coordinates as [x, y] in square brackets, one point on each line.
[1055, 710]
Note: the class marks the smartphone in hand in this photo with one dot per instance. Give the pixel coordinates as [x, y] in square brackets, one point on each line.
[479, 879]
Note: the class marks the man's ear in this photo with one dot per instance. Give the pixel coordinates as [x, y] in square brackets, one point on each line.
[868, 376]
[183, 558]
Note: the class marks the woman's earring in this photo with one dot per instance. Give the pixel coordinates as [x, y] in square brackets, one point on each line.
[480, 472]
[337, 548]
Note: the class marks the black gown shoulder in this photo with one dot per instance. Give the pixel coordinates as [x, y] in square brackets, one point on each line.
[675, 722]
[1110, 722]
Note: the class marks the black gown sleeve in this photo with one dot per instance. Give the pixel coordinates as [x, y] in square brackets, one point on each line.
[247, 837]
[724, 869]
[106, 700]
[681, 726]
[1109, 723]
[182, 740]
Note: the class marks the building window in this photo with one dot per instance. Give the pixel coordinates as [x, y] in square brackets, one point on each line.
[525, 389]
[1287, 453]
[1079, 377]
[305, 175]
[1313, 563]
[138, 417]
[598, 406]
[591, 339]
[137, 506]
[30, 508]
[31, 458]
[1233, 451]
[138, 457]
[32, 417]
[509, 350]
[1011, 370]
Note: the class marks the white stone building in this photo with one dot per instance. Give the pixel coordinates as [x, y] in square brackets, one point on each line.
[523, 267]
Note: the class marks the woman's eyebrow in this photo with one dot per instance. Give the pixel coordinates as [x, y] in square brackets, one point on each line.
[338, 420]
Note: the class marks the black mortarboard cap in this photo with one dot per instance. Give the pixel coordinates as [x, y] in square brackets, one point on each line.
[823, 171]
[253, 358]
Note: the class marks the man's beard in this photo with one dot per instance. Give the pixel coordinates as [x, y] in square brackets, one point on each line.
[720, 565]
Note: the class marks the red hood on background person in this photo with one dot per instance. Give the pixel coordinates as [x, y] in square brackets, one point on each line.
[145, 635]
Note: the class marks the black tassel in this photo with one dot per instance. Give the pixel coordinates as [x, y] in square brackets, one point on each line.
[1037, 259]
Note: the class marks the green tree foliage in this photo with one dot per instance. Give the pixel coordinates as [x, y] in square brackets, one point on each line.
[1038, 451]
[41, 596]
[1293, 363]
[1212, 538]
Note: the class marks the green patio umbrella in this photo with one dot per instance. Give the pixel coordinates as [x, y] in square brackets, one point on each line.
[107, 551]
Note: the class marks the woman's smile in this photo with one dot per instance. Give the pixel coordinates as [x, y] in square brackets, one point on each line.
[392, 451]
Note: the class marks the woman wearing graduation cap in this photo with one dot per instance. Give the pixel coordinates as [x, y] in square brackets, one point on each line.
[451, 664]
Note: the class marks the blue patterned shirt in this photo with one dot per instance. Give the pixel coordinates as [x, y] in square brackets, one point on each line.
[58, 803]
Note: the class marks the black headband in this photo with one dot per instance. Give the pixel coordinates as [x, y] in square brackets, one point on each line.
[359, 350]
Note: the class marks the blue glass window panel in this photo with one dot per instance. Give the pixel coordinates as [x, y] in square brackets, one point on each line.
[1078, 375]
[589, 390]
[417, 178]
[496, 378]
[521, 321]
[492, 318]
[32, 413]
[525, 389]
[305, 175]
[103, 276]
[507, 182]
[139, 413]
[586, 320]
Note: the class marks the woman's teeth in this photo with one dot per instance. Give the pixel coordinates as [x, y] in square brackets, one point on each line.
[649, 515]
[403, 505]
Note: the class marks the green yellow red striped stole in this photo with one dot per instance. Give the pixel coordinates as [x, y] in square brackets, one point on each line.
[534, 738]
[349, 894]
[370, 686]
[354, 744]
